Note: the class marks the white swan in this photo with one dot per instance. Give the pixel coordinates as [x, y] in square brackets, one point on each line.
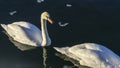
[28, 34]
[91, 55]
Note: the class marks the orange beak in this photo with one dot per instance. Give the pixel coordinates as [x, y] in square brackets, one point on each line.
[49, 20]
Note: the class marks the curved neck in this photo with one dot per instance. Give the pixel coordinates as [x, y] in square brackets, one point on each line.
[45, 36]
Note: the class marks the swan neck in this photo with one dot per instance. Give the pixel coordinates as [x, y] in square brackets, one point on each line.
[45, 36]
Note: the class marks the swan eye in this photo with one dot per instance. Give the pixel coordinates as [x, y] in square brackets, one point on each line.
[47, 18]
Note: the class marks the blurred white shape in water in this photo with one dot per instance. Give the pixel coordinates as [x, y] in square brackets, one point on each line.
[39, 1]
[13, 12]
[119, 65]
[68, 5]
[62, 25]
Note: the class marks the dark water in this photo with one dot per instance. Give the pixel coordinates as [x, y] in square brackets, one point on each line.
[94, 21]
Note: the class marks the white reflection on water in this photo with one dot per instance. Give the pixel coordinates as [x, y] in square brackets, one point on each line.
[13, 12]
[62, 25]
[44, 57]
[68, 5]
[39, 1]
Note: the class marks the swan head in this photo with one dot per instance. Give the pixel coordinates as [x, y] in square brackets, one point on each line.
[46, 16]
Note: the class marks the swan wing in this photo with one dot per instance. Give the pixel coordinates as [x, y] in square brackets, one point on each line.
[33, 35]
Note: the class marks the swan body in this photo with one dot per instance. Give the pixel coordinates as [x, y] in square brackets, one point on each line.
[27, 33]
[23, 32]
[91, 55]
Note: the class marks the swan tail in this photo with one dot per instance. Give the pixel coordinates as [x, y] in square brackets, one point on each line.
[4, 26]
